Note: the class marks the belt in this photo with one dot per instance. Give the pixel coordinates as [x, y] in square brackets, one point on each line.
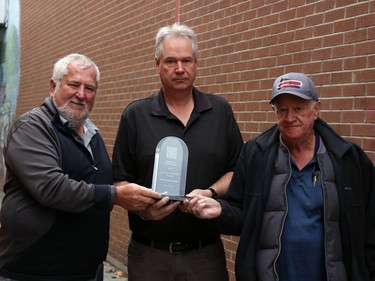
[176, 247]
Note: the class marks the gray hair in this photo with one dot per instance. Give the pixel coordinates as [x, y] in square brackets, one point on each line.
[175, 30]
[61, 67]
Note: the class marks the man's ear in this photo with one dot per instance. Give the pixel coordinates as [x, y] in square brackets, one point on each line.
[52, 87]
[157, 65]
[317, 109]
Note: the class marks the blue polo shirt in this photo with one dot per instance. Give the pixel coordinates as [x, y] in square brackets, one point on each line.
[302, 241]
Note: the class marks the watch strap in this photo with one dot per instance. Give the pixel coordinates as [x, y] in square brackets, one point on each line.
[214, 193]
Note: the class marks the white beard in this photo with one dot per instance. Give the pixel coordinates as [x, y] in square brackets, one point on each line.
[70, 115]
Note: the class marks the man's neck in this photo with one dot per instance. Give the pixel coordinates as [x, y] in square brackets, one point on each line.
[181, 105]
[302, 152]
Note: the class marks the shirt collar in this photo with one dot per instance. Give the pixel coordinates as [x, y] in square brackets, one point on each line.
[159, 107]
[88, 125]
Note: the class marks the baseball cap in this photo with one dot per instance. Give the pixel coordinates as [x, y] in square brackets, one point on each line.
[297, 84]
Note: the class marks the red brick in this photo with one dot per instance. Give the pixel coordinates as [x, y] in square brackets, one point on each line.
[364, 48]
[365, 21]
[333, 40]
[354, 63]
[355, 36]
[332, 65]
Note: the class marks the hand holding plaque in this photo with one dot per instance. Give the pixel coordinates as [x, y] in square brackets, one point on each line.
[170, 168]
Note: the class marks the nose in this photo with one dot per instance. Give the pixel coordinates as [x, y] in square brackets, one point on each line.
[180, 66]
[290, 116]
[81, 92]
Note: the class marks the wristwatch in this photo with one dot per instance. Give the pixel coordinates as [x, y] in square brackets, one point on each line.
[214, 193]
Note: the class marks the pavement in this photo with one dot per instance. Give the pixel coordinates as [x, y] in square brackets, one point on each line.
[111, 272]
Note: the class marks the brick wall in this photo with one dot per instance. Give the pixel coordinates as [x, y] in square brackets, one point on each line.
[244, 46]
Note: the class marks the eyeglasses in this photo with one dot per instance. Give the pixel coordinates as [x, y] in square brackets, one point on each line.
[173, 63]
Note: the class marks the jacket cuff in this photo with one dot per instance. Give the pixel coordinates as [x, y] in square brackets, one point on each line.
[105, 196]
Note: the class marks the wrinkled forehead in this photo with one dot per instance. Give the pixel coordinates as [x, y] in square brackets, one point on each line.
[77, 70]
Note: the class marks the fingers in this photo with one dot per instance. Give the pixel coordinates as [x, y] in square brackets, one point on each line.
[135, 197]
[161, 208]
[199, 192]
[146, 192]
[189, 205]
[203, 207]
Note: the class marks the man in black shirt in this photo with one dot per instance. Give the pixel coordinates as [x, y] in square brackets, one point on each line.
[174, 244]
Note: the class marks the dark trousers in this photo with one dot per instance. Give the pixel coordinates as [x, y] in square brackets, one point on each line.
[100, 275]
[147, 263]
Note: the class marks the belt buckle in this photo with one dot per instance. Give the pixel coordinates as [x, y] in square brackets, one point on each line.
[177, 247]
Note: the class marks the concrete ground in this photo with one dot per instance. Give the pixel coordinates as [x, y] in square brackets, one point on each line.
[113, 273]
[110, 271]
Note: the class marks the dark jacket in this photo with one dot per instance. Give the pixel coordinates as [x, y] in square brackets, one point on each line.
[58, 198]
[354, 172]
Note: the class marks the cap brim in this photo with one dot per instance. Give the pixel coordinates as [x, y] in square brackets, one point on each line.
[302, 96]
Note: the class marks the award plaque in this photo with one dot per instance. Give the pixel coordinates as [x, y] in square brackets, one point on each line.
[170, 168]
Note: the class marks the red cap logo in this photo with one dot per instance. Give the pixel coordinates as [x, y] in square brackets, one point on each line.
[289, 84]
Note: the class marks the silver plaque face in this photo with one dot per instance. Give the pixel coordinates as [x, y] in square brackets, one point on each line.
[170, 168]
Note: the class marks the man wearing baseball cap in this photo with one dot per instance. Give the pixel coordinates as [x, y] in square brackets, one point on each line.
[301, 197]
